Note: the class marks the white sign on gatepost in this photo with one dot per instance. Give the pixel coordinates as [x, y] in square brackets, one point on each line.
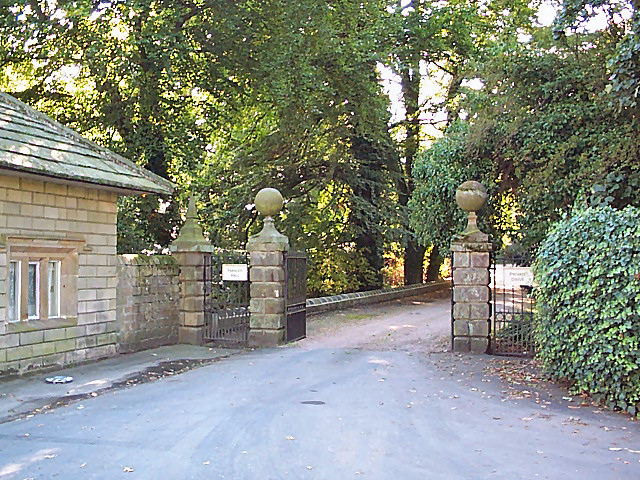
[235, 272]
[518, 276]
[507, 276]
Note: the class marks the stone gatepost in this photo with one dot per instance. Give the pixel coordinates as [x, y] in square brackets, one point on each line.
[471, 261]
[190, 250]
[267, 275]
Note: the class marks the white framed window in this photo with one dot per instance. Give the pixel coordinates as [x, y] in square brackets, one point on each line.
[36, 287]
[14, 291]
[42, 279]
[33, 291]
[53, 288]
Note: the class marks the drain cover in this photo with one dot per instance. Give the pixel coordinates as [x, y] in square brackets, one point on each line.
[59, 379]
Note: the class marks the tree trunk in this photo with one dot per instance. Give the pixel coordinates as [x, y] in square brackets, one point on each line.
[368, 247]
[414, 252]
[435, 261]
[413, 263]
[365, 215]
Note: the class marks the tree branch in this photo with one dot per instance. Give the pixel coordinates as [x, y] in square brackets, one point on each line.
[445, 70]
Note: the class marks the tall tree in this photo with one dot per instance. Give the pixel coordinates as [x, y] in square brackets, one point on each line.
[435, 52]
[222, 98]
[545, 136]
[623, 23]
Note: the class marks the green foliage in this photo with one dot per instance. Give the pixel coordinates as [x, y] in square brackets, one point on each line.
[143, 224]
[344, 270]
[438, 172]
[624, 61]
[543, 133]
[619, 187]
[437, 43]
[562, 139]
[223, 98]
[588, 304]
[336, 265]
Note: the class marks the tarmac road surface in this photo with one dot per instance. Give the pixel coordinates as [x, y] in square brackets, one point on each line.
[331, 413]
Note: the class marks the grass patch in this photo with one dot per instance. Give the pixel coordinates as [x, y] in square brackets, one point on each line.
[358, 316]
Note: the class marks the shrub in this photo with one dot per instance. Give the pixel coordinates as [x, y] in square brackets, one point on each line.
[588, 304]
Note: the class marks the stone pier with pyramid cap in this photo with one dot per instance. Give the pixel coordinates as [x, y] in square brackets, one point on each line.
[190, 237]
[189, 250]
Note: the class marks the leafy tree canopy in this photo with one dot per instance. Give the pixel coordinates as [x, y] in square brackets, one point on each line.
[623, 24]
[542, 134]
[223, 98]
[436, 46]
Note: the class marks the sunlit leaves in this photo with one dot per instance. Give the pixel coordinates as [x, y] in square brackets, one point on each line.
[621, 20]
[546, 133]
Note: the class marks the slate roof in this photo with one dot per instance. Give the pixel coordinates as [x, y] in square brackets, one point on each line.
[33, 143]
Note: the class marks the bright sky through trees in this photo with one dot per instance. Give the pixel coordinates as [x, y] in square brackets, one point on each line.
[224, 98]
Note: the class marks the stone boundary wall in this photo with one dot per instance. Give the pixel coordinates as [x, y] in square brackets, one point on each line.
[348, 300]
[147, 301]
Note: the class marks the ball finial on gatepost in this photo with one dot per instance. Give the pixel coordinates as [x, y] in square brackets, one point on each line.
[471, 197]
[269, 202]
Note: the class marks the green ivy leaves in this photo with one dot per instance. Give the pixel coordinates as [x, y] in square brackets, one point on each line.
[588, 318]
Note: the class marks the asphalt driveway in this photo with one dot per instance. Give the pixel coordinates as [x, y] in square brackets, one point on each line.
[312, 412]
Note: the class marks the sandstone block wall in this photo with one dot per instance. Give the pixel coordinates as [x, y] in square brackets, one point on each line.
[267, 303]
[41, 217]
[471, 297]
[147, 301]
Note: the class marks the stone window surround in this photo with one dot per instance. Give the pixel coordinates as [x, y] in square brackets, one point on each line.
[31, 248]
[25, 261]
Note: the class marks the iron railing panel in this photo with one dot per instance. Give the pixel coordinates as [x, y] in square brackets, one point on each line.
[296, 295]
[226, 303]
[513, 308]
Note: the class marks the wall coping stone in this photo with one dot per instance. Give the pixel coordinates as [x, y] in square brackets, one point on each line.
[152, 260]
[348, 300]
[461, 246]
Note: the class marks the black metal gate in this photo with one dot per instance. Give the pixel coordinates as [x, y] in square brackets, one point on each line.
[226, 297]
[512, 306]
[296, 295]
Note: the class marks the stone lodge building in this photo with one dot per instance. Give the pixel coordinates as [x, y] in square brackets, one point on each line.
[58, 260]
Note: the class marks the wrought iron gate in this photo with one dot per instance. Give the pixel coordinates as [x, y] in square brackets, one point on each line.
[226, 297]
[512, 306]
[296, 295]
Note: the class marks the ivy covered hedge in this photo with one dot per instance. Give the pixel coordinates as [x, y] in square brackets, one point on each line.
[588, 304]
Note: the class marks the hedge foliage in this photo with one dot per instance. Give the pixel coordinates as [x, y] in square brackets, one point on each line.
[588, 304]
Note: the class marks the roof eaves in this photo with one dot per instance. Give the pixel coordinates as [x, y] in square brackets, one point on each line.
[158, 185]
